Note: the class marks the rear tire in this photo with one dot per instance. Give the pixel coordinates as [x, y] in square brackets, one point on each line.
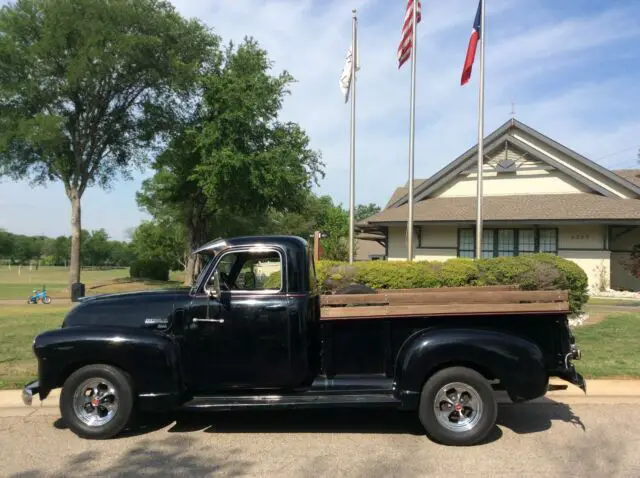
[97, 401]
[457, 407]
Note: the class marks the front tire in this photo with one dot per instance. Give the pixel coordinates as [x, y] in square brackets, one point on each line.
[457, 407]
[97, 401]
[46, 300]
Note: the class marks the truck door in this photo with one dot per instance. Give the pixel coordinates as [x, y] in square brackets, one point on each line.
[240, 338]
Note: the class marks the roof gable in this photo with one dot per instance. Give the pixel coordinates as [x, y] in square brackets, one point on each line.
[516, 135]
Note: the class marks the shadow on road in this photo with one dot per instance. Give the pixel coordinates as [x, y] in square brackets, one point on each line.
[520, 418]
[536, 417]
[171, 455]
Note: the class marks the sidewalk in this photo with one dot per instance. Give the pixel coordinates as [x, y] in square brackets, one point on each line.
[599, 392]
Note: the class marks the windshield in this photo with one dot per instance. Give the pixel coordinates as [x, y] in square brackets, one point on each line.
[205, 260]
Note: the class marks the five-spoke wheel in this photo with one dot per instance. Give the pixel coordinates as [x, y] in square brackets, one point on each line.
[457, 406]
[97, 401]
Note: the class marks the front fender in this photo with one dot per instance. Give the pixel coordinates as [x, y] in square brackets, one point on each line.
[151, 358]
[516, 362]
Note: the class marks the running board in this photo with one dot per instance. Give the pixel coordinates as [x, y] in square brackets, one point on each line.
[298, 400]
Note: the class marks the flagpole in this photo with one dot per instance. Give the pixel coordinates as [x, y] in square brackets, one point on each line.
[480, 138]
[412, 117]
[352, 155]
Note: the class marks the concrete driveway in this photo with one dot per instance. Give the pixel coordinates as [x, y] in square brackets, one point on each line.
[539, 439]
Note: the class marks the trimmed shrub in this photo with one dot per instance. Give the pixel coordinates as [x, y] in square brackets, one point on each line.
[533, 272]
[273, 281]
[154, 269]
[459, 273]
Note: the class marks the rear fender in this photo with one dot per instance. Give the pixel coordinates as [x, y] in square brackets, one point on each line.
[151, 358]
[516, 362]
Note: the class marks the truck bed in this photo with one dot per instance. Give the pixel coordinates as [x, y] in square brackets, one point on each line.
[454, 301]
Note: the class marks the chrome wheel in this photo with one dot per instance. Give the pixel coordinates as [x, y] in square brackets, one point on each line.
[458, 407]
[95, 402]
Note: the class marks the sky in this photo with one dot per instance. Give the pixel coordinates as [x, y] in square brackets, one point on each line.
[568, 68]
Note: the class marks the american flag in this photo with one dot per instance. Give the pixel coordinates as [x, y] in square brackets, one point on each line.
[406, 46]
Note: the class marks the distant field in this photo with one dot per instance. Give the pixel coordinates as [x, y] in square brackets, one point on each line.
[18, 282]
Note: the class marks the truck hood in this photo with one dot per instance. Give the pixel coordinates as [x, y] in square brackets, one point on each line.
[151, 309]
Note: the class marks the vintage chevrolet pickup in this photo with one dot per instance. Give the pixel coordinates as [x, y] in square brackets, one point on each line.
[253, 332]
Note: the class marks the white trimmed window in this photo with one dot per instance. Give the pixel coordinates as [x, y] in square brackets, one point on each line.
[508, 242]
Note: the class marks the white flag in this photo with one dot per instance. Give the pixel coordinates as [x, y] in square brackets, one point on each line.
[345, 77]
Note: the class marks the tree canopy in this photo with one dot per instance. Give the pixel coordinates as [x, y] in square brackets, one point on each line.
[234, 161]
[87, 86]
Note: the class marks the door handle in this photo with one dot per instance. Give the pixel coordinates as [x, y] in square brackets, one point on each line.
[274, 307]
[217, 321]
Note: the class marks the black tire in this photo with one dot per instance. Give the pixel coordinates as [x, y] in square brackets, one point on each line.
[484, 393]
[123, 392]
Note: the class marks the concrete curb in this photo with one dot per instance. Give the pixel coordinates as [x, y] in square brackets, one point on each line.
[598, 392]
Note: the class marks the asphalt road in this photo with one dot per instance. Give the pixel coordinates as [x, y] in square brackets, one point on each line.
[531, 440]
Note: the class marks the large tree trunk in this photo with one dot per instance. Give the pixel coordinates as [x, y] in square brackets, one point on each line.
[76, 227]
[192, 260]
[195, 238]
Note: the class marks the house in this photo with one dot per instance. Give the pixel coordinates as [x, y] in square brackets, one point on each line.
[538, 196]
[369, 247]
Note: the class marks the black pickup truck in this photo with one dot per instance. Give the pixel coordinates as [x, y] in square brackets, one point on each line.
[251, 333]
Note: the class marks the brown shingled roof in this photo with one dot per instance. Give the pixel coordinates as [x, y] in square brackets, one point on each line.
[631, 175]
[555, 207]
[403, 190]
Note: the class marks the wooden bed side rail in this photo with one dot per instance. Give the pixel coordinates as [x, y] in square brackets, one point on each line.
[429, 290]
[409, 311]
[447, 296]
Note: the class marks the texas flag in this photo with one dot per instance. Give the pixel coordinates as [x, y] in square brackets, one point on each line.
[471, 49]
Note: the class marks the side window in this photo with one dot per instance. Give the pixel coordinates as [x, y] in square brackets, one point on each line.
[250, 271]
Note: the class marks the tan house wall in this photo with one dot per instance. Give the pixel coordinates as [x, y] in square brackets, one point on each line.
[581, 244]
[523, 182]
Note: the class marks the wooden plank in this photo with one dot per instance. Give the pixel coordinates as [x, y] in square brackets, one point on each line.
[445, 296]
[408, 311]
[486, 297]
[468, 288]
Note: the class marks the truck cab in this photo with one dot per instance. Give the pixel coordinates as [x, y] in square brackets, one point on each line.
[253, 318]
[252, 332]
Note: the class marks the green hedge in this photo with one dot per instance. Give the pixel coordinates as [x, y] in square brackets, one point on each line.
[534, 272]
[154, 269]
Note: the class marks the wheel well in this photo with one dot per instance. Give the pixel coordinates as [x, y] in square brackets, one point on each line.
[484, 371]
[78, 365]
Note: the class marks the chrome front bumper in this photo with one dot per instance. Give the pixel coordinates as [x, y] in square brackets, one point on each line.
[29, 391]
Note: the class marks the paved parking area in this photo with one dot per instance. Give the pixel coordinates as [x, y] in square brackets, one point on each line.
[540, 439]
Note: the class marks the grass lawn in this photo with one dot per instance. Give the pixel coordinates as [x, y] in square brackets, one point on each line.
[611, 348]
[18, 326]
[614, 302]
[18, 282]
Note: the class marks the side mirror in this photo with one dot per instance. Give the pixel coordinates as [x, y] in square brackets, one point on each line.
[214, 292]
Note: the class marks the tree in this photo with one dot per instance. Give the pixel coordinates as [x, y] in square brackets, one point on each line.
[160, 239]
[6, 244]
[86, 86]
[97, 248]
[234, 162]
[333, 220]
[364, 211]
